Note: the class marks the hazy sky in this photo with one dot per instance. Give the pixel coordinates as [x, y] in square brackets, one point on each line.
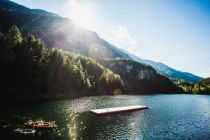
[175, 32]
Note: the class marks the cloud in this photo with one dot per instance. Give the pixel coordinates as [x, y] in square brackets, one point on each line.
[120, 37]
[205, 75]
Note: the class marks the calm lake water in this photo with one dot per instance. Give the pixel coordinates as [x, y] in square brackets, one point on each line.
[168, 117]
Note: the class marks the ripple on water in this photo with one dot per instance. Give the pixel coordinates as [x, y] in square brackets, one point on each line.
[168, 117]
[25, 131]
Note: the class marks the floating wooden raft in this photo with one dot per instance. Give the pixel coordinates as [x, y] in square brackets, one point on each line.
[118, 109]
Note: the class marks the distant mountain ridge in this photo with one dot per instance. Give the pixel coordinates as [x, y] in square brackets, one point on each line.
[53, 30]
[168, 71]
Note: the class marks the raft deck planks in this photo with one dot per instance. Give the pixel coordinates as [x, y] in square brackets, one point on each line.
[118, 109]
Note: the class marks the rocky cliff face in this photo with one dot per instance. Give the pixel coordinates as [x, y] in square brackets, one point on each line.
[139, 78]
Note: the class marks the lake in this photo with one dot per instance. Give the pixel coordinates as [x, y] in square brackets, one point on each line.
[168, 117]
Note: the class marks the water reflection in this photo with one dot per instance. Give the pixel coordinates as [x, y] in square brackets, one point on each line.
[168, 117]
[134, 128]
[73, 127]
[204, 108]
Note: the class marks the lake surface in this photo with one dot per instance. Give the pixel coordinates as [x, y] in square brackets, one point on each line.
[168, 117]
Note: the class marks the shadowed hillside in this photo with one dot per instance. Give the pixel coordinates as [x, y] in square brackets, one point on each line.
[140, 78]
[30, 69]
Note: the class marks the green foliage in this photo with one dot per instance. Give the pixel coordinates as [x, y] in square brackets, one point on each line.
[50, 72]
[8, 42]
[14, 35]
[202, 87]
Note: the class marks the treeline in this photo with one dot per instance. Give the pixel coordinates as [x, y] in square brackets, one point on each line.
[202, 87]
[29, 68]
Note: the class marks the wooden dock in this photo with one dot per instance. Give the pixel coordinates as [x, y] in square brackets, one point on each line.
[118, 109]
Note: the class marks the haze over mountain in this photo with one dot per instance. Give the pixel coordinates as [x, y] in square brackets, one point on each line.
[60, 32]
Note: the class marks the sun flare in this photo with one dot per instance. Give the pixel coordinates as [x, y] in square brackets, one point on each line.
[82, 14]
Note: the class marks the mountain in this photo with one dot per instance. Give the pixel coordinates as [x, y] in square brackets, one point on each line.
[168, 71]
[60, 73]
[60, 32]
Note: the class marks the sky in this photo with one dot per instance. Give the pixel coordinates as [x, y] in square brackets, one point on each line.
[174, 32]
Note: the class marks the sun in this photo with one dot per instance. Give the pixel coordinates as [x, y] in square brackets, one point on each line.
[82, 14]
